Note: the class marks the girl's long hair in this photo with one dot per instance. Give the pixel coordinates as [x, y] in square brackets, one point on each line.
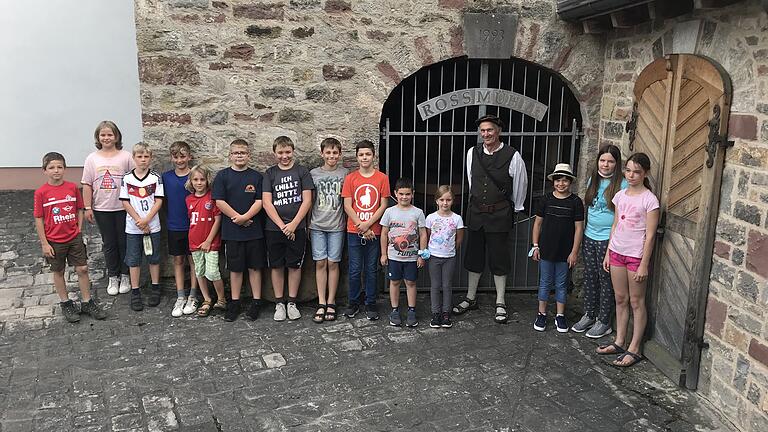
[113, 127]
[202, 169]
[615, 180]
[644, 161]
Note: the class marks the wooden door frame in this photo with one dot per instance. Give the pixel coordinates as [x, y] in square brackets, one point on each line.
[685, 371]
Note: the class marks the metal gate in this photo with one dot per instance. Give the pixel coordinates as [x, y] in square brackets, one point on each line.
[433, 151]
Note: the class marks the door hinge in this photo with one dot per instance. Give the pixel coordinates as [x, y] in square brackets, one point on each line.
[715, 138]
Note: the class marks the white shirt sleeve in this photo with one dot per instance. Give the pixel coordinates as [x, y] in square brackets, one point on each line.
[469, 167]
[519, 181]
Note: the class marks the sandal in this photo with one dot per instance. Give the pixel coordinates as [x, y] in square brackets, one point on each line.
[330, 315]
[615, 349]
[465, 305]
[221, 305]
[635, 359]
[319, 316]
[501, 315]
[204, 309]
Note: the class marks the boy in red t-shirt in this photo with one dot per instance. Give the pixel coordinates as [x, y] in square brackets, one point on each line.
[58, 212]
[365, 194]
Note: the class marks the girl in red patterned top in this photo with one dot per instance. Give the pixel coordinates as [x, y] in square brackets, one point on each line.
[204, 237]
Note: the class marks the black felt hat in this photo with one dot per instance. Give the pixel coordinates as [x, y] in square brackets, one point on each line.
[490, 118]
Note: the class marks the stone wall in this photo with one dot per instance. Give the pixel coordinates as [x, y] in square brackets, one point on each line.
[211, 71]
[734, 374]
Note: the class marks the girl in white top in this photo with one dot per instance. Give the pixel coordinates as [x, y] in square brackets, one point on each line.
[103, 173]
[446, 231]
[628, 257]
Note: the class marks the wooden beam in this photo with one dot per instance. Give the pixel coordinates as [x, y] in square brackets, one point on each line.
[630, 17]
[669, 9]
[713, 4]
[596, 25]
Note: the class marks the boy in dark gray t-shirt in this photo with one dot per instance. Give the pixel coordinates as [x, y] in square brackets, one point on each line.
[287, 198]
[327, 227]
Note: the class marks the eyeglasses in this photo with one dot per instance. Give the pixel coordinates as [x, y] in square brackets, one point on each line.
[238, 153]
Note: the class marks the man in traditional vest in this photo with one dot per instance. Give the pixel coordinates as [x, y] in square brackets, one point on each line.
[497, 187]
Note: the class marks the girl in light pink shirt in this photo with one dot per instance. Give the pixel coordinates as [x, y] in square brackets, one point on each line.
[103, 173]
[628, 256]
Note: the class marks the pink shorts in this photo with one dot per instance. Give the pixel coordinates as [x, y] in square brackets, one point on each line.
[619, 260]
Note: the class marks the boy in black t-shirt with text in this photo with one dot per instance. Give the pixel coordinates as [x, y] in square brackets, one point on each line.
[237, 191]
[287, 200]
[557, 233]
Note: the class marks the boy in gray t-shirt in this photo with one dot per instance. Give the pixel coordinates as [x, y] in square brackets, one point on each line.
[327, 227]
[403, 235]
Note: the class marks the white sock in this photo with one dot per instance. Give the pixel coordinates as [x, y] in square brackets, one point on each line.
[472, 279]
[501, 286]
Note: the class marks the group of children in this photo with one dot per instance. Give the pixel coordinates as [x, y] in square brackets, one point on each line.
[266, 219]
[621, 218]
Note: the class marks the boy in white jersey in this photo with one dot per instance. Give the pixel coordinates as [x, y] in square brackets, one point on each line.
[142, 196]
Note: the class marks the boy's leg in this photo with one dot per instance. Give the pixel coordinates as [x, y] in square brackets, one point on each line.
[178, 274]
[335, 249]
[355, 269]
[295, 251]
[394, 293]
[199, 263]
[254, 279]
[235, 284]
[410, 274]
[278, 283]
[410, 291]
[61, 285]
[154, 260]
[84, 282]
[371, 266]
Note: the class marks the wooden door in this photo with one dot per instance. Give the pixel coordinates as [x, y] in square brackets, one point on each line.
[680, 121]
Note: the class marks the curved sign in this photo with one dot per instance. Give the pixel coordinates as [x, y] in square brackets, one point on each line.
[482, 96]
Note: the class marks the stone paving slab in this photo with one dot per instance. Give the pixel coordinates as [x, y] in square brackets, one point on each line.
[148, 371]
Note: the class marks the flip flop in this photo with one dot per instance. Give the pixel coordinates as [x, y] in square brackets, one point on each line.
[616, 349]
[636, 358]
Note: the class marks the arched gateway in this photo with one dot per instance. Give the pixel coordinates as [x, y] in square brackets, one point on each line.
[428, 123]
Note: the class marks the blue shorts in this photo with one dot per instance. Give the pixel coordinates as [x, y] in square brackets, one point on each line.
[134, 249]
[327, 245]
[399, 270]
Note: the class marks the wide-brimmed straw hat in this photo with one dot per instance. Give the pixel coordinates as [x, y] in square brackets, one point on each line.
[562, 169]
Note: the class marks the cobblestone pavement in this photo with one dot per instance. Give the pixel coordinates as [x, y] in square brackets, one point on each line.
[148, 371]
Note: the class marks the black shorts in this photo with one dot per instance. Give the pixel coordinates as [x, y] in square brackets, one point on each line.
[241, 255]
[178, 243]
[282, 252]
[495, 246]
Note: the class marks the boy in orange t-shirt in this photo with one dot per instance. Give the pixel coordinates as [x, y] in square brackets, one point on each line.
[365, 194]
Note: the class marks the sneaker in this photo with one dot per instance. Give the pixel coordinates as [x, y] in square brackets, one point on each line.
[280, 311]
[351, 310]
[70, 311]
[233, 310]
[155, 294]
[253, 310]
[584, 324]
[136, 303]
[93, 309]
[561, 323]
[437, 320]
[599, 330]
[191, 306]
[446, 320]
[125, 284]
[113, 288]
[541, 322]
[293, 312]
[371, 312]
[410, 319]
[394, 318]
[178, 307]
[221, 305]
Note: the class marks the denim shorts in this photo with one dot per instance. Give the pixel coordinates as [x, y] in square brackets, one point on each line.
[327, 245]
[399, 270]
[134, 249]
